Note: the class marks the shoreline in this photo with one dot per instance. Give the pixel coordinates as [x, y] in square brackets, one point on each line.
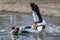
[47, 7]
[3, 12]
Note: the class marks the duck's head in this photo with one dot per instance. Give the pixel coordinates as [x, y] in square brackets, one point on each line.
[17, 29]
[14, 31]
[12, 28]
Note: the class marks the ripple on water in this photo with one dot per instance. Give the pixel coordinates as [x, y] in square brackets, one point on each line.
[51, 28]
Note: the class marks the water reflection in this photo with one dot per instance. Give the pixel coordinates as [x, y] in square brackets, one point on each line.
[38, 37]
[30, 37]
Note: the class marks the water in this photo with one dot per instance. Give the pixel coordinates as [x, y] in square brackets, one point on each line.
[52, 32]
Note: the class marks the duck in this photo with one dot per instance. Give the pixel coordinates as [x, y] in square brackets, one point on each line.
[14, 33]
[39, 23]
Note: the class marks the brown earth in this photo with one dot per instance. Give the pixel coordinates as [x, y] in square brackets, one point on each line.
[47, 7]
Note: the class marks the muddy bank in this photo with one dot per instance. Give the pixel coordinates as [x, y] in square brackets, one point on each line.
[47, 7]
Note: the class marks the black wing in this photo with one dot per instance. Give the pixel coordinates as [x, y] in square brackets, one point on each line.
[35, 8]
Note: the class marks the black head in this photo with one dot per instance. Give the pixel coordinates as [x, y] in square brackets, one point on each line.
[12, 28]
[17, 29]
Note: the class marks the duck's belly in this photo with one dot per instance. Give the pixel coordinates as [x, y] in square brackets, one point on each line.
[32, 30]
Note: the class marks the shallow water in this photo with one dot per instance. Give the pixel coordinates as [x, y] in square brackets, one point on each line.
[52, 32]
